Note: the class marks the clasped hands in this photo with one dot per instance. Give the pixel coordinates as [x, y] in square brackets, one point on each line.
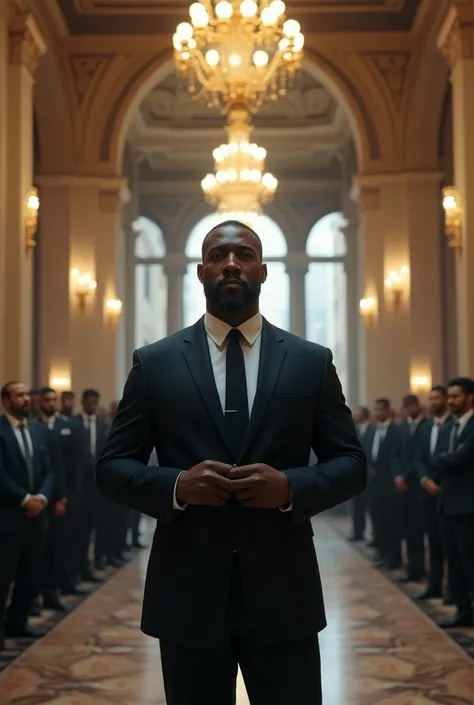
[34, 506]
[213, 483]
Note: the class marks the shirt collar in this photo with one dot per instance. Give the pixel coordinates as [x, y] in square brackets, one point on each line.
[14, 423]
[440, 420]
[384, 424]
[217, 330]
[411, 421]
[462, 420]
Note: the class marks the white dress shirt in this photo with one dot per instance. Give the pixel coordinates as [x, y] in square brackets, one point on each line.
[438, 421]
[379, 436]
[250, 342]
[16, 426]
[458, 428]
[90, 423]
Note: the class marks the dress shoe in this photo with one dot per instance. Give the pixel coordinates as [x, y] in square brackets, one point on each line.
[54, 603]
[16, 632]
[458, 621]
[126, 556]
[370, 544]
[430, 594]
[90, 577]
[139, 545]
[115, 562]
[410, 579]
[35, 609]
[74, 590]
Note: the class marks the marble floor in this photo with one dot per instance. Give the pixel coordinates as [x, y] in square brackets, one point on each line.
[378, 649]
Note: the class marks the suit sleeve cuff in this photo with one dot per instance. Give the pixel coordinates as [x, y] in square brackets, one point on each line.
[176, 505]
[25, 500]
[44, 498]
[286, 508]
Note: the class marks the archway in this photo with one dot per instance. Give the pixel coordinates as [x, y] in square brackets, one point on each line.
[274, 301]
[325, 290]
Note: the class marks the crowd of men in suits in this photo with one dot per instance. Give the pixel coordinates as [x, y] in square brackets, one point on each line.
[56, 530]
[421, 483]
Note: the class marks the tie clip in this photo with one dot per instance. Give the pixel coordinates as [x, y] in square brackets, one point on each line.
[231, 411]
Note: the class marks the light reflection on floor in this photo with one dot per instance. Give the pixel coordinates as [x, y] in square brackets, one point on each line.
[377, 650]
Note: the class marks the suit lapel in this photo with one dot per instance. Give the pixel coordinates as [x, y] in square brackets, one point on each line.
[10, 439]
[198, 360]
[272, 354]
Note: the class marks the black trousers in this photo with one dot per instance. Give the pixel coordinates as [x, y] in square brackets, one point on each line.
[458, 534]
[21, 556]
[435, 543]
[274, 675]
[358, 509]
[72, 543]
[135, 518]
[50, 577]
[386, 520]
[414, 526]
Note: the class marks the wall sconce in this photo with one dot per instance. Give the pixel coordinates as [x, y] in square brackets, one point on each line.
[60, 383]
[83, 285]
[397, 282]
[452, 216]
[420, 384]
[32, 205]
[113, 311]
[368, 311]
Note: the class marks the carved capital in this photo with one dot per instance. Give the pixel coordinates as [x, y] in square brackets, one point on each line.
[112, 199]
[393, 68]
[456, 36]
[26, 42]
[366, 192]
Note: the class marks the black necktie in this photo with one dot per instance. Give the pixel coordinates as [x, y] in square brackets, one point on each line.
[28, 457]
[236, 400]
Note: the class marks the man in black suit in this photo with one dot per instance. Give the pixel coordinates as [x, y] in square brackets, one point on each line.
[95, 519]
[456, 477]
[432, 441]
[26, 484]
[383, 452]
[61, 560]
[359, 503]
[407, 483]
[233, 406]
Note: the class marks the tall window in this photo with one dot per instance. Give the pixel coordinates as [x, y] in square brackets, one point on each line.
[150, 283]
[326, 304]
[274, 300]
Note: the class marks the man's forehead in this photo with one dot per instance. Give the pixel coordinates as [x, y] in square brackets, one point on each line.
[230, 233]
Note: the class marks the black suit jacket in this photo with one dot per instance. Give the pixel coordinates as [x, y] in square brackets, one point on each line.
[171, 403]
[68, 456]
[409, 444]
[455, 474]
[425, 466]
[14, 481]
[387, 466]
[88, 460]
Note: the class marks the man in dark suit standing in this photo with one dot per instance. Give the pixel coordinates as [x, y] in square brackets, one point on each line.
[383, 443]
[233, 406]
[433, 440]
[407, 483]
[26, 484]
[456, 476]
[359, 503]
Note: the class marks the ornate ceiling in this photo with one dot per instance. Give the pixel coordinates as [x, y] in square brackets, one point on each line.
[304, 131]
[113, 17]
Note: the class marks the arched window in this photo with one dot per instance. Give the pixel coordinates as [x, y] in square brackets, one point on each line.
[150, 283]
[326, 301]
[274, 299]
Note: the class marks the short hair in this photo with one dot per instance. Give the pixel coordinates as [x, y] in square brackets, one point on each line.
[410, 399]
[235, 224]
[68, 393]
[90, 394]
[466, 384]
[46, 390]
[5, 391]
[383, 401]
[441, 389]
[365, 412]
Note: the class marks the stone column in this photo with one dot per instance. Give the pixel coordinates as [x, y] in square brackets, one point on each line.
[175, 269]
[297, 268]
[3, 174]
[352, 306]
[456, 41]
[80, 225]
[401, 222]
[25, 47]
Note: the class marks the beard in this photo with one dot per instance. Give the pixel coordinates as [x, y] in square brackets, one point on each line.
[239, 300]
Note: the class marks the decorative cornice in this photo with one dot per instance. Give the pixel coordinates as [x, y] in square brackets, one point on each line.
[26, 41]
[456, 36]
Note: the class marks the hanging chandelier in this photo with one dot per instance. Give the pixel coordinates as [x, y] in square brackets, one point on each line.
[238, 51]
[240, 186]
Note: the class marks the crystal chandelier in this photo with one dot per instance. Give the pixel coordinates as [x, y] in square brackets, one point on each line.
[238, 52]
[240, 186]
